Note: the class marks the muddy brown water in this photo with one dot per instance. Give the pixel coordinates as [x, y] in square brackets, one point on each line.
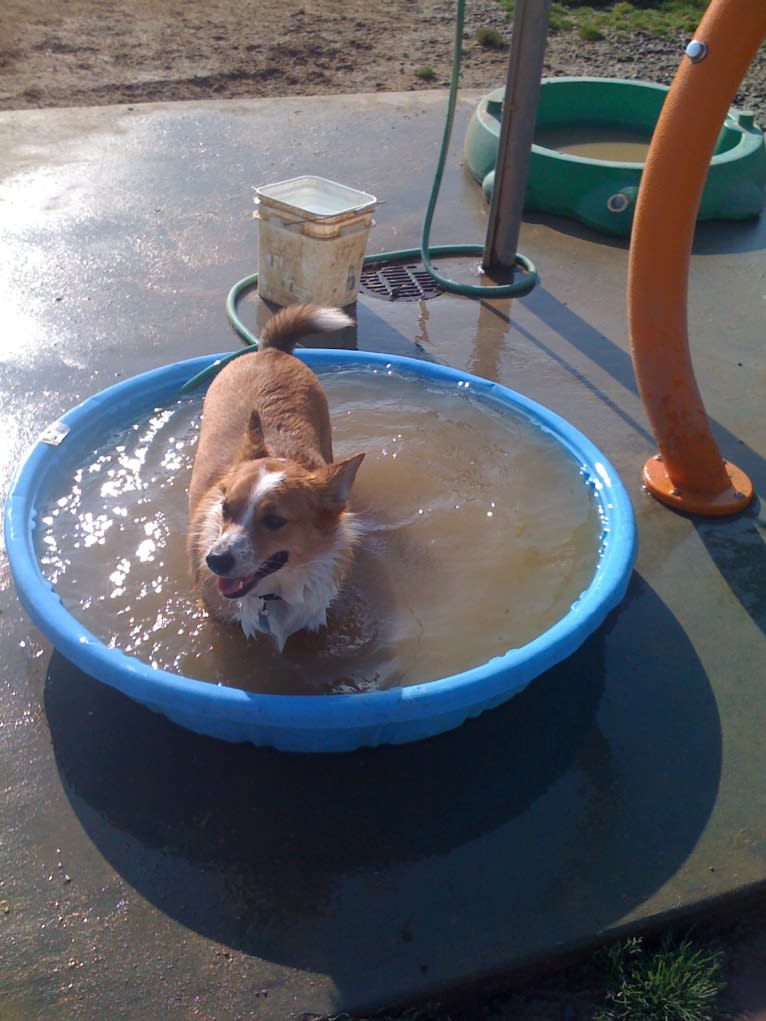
[480, 534]
[596, 142]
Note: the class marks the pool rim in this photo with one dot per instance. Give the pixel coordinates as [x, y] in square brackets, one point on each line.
[335, 722]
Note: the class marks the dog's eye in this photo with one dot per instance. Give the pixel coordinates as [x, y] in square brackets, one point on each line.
[226, 510]
[273, 522]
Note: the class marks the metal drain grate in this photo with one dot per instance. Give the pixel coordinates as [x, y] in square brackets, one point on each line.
[398, 281]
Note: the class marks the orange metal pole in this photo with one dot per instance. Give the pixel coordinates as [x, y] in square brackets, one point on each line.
[689, 472]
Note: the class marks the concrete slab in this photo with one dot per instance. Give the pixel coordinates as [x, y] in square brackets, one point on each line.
[149, 872]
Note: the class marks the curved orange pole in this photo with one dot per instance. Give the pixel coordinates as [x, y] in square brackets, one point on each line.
[689, 472]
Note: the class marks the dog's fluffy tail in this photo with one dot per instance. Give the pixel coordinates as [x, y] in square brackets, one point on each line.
[287, 327]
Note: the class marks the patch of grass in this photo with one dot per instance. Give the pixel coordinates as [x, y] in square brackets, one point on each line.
[489, 38]
[559, 19]
[426, 73]
[623, 17]
[676, 981]
[589, 32]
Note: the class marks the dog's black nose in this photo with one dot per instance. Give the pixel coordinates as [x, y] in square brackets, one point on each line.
[220, 563]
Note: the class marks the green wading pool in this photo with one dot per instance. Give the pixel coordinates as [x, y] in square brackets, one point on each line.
[591, 137]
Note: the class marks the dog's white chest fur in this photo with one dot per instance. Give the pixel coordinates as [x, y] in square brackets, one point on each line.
[279, 619]
[300, 599]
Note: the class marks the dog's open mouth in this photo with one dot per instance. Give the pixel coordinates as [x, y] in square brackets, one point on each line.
[236, 588]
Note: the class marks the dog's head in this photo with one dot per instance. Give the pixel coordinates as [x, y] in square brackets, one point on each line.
[274, 520]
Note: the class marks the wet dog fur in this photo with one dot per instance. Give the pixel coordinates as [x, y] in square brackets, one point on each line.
[271, 539]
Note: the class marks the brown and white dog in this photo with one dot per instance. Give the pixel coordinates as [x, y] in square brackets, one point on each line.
[271, 539]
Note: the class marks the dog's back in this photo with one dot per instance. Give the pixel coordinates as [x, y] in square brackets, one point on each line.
[283, 391]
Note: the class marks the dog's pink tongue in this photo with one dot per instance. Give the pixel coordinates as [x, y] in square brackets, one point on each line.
[230, 586]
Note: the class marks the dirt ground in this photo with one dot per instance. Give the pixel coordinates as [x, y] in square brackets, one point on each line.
[96, 52]
[77, 52]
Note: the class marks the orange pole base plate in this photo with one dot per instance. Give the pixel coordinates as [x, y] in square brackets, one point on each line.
[731, 500]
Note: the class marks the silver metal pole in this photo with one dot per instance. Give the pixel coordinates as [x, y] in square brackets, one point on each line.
[517, 128]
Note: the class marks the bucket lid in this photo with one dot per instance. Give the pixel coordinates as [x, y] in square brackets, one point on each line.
[315, 198]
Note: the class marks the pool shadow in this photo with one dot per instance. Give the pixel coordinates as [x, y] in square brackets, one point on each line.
[600, 776]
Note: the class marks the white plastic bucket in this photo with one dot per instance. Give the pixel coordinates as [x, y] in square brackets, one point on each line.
[312, 236]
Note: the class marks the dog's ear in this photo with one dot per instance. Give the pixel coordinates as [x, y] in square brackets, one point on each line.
[253, 445]
[340, 478]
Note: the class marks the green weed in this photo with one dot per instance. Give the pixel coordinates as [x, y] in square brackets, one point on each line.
[589, 32]
[677, 981]
[490, 39]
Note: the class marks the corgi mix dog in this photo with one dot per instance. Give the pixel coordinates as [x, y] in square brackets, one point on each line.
[271, 539]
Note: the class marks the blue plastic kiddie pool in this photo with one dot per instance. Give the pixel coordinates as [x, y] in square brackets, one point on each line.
[311, 723]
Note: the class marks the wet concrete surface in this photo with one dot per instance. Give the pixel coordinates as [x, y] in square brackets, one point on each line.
[150, 872]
